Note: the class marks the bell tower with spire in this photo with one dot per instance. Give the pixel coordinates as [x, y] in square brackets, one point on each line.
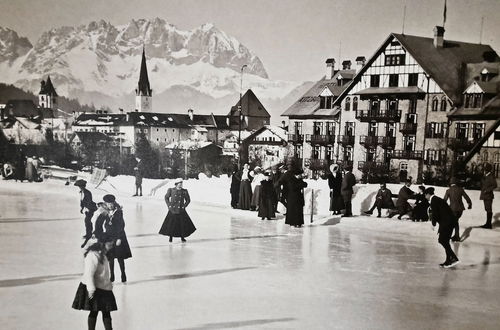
[143, 92]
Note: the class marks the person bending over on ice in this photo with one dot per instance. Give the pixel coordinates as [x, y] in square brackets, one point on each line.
[95, 292]
[87, 207]
[455, 194]
[177, 223]
[441, 213]
[402, 205]
[383, 200]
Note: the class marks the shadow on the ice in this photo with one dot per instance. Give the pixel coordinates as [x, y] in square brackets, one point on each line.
[36, 280]
[15, 220]
[188, 275]
[236, 324]
[205, 239]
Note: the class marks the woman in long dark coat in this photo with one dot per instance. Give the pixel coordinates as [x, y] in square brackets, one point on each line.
[177, 222]
[114, 227]
[267, 198]
[295, 200]
[20, 167]
[245, 197]
[421, 205]
[235, 187]
[335, 184]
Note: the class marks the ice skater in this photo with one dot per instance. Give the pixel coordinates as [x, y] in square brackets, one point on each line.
[235, 186]
[138, 182]
[114, 227]
[177, 223]
[87, 207]
[335, 184]
[295, 199]
[488, 184]
[346, 190]
[402, 205]
[245, 196]
[419, 212]
[267, 198]
[95, 292]
[455, 194]
[441, 213]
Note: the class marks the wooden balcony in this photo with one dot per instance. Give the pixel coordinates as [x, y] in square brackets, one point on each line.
[408, 128]
[320, 139]
[365, 165]
[374, 141]
[461, 144]
[404, 154]
[296, 138]
[384, 116]
[346, 140]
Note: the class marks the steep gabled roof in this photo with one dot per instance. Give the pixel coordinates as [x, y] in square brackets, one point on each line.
[46, 88]
[93, 119]
[251, 106]
[221, 122]
[308, 104]
[143, 87]
[446, 65]
[158, 119]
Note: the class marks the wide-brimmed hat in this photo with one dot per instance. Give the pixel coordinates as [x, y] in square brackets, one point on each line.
[80, 183]
[178, 180]
[109, 198]
[334, 167]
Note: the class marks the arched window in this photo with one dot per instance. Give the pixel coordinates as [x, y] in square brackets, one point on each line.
[355, 104]
[443, 103]
[435, 104]
[348, 104]
[485, 156]
[497, 157]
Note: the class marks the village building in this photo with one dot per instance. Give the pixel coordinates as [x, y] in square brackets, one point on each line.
[266, 147]
[248, 113]
[397, 113]
[313, 119]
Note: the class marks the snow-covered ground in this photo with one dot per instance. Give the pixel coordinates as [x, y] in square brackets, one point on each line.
[238, 272]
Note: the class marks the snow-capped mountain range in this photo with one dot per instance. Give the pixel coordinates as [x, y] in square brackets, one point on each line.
[99, 63]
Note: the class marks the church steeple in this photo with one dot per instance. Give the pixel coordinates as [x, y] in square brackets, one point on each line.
[144, 93]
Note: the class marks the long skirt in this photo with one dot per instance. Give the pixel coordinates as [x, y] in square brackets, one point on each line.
[255, 197]
[294, 214]
[103, 300]
[121, 251]
[177, 225]
[336, 203]
[245, 197]
[267, 208]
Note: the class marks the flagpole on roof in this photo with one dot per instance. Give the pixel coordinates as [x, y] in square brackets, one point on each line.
[444, 14]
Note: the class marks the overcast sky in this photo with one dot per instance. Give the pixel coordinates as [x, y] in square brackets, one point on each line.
[293, 38]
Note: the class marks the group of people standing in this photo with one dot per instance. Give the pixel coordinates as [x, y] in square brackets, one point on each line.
[261, 191]
[341, 190]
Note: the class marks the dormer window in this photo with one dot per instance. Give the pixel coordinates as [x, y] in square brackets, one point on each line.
[325, 102]
[473, 100]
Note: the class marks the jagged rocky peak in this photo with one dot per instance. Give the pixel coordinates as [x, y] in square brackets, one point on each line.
[12, 46]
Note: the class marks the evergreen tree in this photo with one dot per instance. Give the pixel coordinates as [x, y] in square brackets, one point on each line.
[148, 156]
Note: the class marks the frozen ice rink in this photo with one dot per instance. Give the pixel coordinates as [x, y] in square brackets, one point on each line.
[239, 272]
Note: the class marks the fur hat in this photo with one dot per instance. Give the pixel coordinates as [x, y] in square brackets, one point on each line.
[109, 198]
[80, 183]
[178, 180]
[334, 168]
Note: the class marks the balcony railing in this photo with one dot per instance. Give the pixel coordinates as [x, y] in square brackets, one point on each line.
[378, 115]
[346, 140]
[373, 141]
[404, 154]
[367, 165]
[295, 138]
[461, 144]
[320, 139]
[408, 128]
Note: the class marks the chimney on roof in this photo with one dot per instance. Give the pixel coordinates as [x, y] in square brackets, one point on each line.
[330, 68]
[346, 65]
[190, 113]
[360, 63]
[438, 36]
[121, 110]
